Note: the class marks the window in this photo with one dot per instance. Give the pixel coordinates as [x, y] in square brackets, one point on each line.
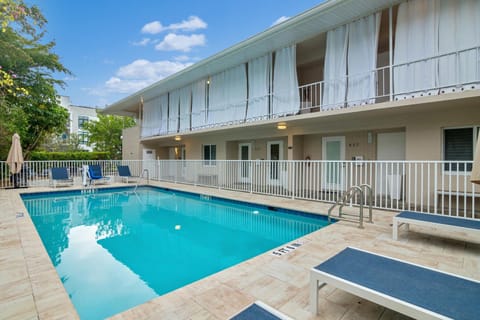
[458, 145]
[209, 154]
[81, 121]
[83, 138]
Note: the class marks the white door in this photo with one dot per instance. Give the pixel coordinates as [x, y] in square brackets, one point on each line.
[245, 165]
[333, 150]
[174, 167]
[149, 162]
[389, 178]
[274, 154]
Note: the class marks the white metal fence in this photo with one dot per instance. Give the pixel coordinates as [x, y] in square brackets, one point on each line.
[441, 187]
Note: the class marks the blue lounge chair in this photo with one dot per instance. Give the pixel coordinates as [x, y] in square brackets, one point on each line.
[470, 227]
[260, 311]
[60, 175]
[125, 174]
[413, 290]
[95, 174]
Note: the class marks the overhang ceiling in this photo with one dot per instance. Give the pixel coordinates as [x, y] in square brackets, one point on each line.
[304, 26]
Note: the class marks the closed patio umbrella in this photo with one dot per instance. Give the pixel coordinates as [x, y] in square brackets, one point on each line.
[15, 157]
[475, 178]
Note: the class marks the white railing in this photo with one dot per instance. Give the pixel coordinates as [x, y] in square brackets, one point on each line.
[455, 71]
[441, 187]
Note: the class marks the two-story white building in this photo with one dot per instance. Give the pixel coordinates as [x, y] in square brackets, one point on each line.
[78, 115]
[380, 80]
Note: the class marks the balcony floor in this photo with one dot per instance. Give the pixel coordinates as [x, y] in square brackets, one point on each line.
[31, 289]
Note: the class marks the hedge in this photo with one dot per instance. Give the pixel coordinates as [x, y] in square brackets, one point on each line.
[78, 155]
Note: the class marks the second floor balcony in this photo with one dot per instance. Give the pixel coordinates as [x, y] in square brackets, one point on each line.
[394, 54]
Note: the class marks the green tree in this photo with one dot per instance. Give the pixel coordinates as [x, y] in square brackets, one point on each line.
[28, 99]
[106, 133]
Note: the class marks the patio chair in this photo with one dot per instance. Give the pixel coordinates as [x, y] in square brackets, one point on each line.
[410, 289]
[95, 174]
[260, 311]
[125, 174]
[59, 175]
[470, 227]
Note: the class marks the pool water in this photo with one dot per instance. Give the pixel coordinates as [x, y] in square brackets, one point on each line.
[115, 248]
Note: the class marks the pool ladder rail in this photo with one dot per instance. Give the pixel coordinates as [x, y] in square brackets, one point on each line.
[360, 191]
[142, 177]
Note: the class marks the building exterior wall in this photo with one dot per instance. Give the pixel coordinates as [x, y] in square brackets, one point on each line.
[130, 144]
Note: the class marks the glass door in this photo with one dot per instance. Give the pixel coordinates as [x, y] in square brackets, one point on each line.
[245, 167]
[274, 154]
[333, 150]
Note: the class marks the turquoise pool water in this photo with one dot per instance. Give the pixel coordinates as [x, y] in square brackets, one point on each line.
[115, 249]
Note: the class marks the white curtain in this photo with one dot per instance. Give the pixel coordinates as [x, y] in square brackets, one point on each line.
[199, 103]
[236, 92]
[151, 118]
[162, 102]
[216, 100]
[335, 70]
[416, 39]
[185, 99]
[362, 59]
[173, 110]
[458, 30]
[259, 77]
[286, 98]
[227, 96]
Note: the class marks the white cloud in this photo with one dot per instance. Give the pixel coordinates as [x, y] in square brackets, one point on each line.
[280, 20]
[182, 58]
[152, 27]
[175, 42]
[142, 42]
[191, 24]
[141, 73]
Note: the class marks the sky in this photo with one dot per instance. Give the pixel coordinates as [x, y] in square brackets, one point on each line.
[114, 48]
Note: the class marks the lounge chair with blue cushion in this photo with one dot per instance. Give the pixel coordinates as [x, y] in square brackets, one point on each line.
[125, 174]
[470, 227]
[410, 289]
[59, 175]
[95, 174]
[260, 311]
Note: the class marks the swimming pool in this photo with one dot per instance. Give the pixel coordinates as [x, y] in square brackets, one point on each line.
[115, 249]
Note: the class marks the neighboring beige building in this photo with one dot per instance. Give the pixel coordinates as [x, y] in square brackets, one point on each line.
[78, 116]
[345, 80]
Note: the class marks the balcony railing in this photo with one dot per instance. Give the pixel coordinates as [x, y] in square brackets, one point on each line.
[440, 74]
[439, 187]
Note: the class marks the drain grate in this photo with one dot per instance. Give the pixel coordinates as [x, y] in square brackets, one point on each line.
[19, 215]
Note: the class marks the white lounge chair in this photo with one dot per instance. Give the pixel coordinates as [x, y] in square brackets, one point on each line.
[260, 311]
[410, 289]
[60, 175]
[125, 174]
[468, 226]
[95, 174]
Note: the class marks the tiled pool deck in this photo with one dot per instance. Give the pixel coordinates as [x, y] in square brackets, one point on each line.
[31, 289]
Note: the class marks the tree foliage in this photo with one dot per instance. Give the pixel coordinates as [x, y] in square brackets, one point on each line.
[28, 99]
[106, 133]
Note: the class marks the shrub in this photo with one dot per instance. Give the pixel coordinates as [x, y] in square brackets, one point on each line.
[72, 155]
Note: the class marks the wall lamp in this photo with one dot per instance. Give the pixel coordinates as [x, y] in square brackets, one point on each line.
[177, 138]
[281, 126]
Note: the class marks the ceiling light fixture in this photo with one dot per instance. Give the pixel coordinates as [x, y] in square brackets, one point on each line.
[178, 138]
[281, 126]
